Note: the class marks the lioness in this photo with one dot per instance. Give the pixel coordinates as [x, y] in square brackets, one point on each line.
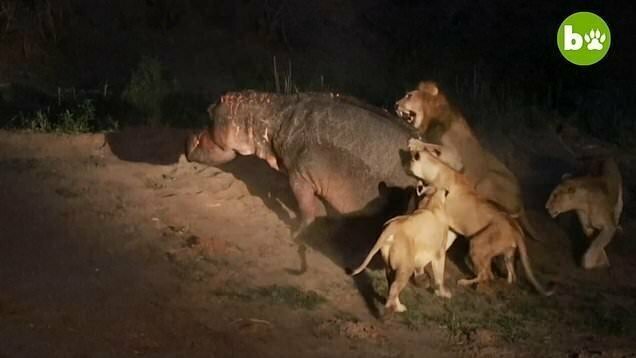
[490, 230]
[437, 121]
[410, 242]
[596, 160]
[590, 198]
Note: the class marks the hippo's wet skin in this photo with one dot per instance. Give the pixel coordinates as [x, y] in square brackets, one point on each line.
[332, 147]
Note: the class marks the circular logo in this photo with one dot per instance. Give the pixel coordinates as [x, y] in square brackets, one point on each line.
[583, 38]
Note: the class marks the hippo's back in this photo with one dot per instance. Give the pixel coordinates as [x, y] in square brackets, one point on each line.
[351, 130]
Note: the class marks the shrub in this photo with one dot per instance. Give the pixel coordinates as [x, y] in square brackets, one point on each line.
[147, 88]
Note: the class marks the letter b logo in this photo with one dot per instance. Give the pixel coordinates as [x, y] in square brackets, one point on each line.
[572, 40]
[583, 38]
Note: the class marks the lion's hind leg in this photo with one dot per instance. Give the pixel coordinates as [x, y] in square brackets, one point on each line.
[595, 256]
[482, 267]
[509, 259]
[401, 279]
[481, 277]
[438, 264]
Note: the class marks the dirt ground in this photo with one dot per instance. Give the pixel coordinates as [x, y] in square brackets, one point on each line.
[114, 244]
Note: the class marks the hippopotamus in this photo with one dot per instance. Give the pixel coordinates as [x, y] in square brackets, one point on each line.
[332, 147]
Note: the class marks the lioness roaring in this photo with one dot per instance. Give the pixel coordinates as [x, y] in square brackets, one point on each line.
[437, 121]
[490, 230]
[589, 197]
[410, 242]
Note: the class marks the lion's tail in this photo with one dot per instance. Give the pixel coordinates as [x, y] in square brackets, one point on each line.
[525, 224]
[385, 238]
[525, 260]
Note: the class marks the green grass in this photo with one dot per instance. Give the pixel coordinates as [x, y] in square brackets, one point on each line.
[285, 295]
[597, 314]
[290, 296]
[75, 118]
[510, 312]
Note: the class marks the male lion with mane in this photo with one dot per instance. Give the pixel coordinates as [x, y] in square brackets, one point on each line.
[438, 121]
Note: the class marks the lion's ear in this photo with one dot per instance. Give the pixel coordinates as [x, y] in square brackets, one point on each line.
[428, 87]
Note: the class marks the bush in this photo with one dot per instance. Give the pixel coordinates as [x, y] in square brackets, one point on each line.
[147, 88]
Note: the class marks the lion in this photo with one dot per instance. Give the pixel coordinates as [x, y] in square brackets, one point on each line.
[590, 198]
[595, 160]
[491, 231]
[438, 121]
[410, 242]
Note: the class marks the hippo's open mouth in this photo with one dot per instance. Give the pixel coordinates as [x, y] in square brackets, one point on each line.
[408, 116]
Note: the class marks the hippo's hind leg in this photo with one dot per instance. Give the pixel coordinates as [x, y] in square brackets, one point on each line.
[306, 198]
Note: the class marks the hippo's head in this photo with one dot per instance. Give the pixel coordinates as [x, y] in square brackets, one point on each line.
[201, 148]
[239, 125]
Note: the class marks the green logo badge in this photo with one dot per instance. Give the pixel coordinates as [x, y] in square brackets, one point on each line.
[584, 38]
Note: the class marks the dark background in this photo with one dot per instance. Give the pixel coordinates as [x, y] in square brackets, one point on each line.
[488, 55]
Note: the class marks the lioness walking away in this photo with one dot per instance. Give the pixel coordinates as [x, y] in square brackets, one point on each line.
[589, 198]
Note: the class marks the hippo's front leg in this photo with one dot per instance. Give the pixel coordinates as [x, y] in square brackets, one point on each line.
[201, 148]
[306, 198]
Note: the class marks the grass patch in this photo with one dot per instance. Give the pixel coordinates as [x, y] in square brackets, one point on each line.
[285, 295]
[593, 313]
[614, 321]
[511, 314]
[290, 296]
[148, 98]
[346, 317]
[516, 316]
[81, 120]
[75, 116]
[464, 314]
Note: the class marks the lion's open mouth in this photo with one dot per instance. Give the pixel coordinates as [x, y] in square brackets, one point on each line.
[408, 116]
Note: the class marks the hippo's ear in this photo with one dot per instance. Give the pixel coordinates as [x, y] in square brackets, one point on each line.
[428, 87]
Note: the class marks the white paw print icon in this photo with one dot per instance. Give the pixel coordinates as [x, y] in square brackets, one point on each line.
[594, 40]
